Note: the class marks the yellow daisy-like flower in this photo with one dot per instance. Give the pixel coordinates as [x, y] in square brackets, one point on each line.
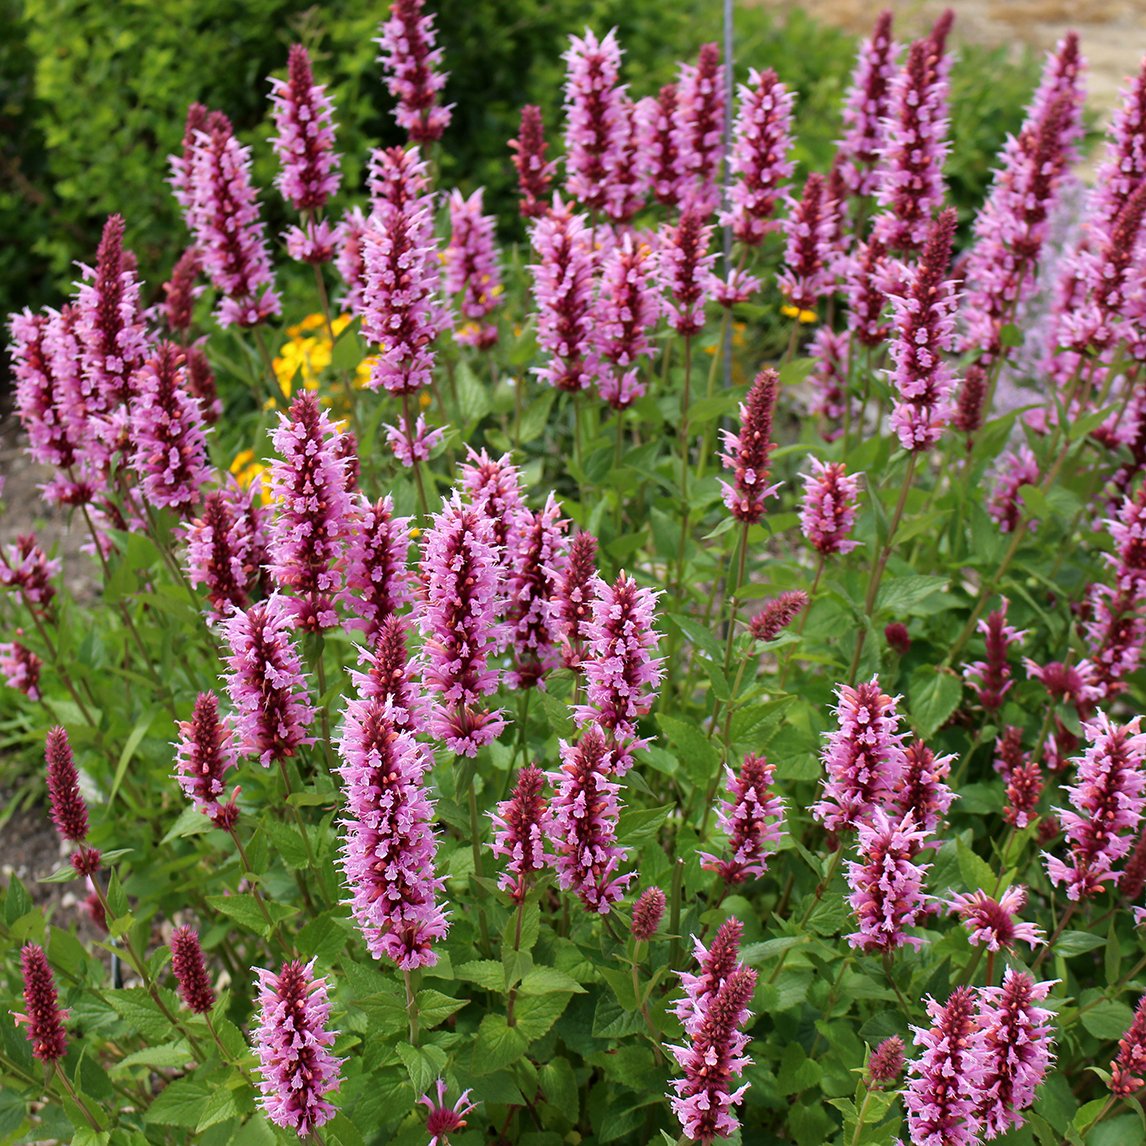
[311, 322]
[246, 468]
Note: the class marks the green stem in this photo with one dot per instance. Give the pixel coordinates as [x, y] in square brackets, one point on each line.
[475, 841]
[684, 452]
[411, 1008]
[75, 1097]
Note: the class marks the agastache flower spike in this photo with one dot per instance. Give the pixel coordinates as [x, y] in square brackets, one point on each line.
[20, 668]
[923, 791]
[685, 267]
[1017, 1049]
[44, 1018]
[69, 812]
[867, 106]
[459, 619]
[170, 453]
[914, 150]
[412, 443]
[563, 289]
[714, 1057]
[864, 758]
[1015, 470]
[521, 826]
[206, 752]
[886, 1062]
[392, 675]
[924, 330]
[1108, 797]
[377, 579]
[190, 971]
[304, 139]
[1128, 1069]
[265, 681]
[411, 61]
[494, 487]
[181, 165]
[648, 912]
[887, 885]
[658, 148]
[1023, 776]
[862, 273]
[389, 846]
[760, 162]
[574, 596]
[991, 922]
[471, 267]
[747, 453]
[778, 614]
[596, 123]
[291, 1041]
[585, 813]
[622, 672]
[698, 128]
[716, 963]
[991, 679]
[752, 820]
[229, 233]
[443, 1120]
[945, 1081]
[807, 258]
[308, 481]
[536, 557]
[225, 547]
[627, 309]
[829, 509]
[350, 259]
[534, 174]
[28, 569]
[181, 291]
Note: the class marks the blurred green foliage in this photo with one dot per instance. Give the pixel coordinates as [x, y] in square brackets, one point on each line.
[93, 98]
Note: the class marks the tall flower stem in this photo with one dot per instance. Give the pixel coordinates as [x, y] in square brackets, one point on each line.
[296, 815]
[66, 1084]
[684, 452]
[641, 999]
[417, 466]
[475, 844]
[411, 1008]
[707, 447]
[881, 564]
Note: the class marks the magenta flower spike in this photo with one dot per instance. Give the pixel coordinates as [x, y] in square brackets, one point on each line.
[863, 273]
[493, 486]
[412, 63]
[392, 675]
[747, 453]
[864, 758]
[170, 454]
[1023, 777]
[658, 154]
[829, 509]
[522, 826]
[181, 291]
[190, 971]
[752, 818]
[26, 568]
[226, 547]
[924, 329]
[622, 671]
[229, 232]
[1015, 470]
[537, 553]
[1107, 798]
[308, 534]
[412, 443]
[574, 596]
[69, 811]
[914, 150]
[534, 173]
[304, 139]
[596, 122]
[698, 129]
[867, 106]
[459, 617]
[1127, 1071]
[945, 1081]
[585, 813]
[716, 963]
[206, 751]
[809, 227]
[389, 846]
[887, 884]
[737, 288]
[350, 259]
[292, 1043]
[265, 681]
[182, 164]
[1017, 1049]
[44, 1018]
[563, 290]
[886, 1062]
[923, 789]
[378, 581]
[627, 308]
[778, 614]
[760, 162]
[713, 1058]
[648, 912]
[443, 1120]
[991, 922]
[990, 679]
[20, 668]
[685, 266]
[471, 268]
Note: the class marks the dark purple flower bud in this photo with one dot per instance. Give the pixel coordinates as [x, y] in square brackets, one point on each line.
[190, 971]
[69, 812]
[181, 290]
[521, 827]
[778, 614]
[44, 1017]
[534, 174]
[886, 1062]
[898, 638]
[648, 912]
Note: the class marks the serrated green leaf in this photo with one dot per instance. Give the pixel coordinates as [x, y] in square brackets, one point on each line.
[497, 1045]
[423, 1064]
[484, 972]
[535, 1014]
[549, 981]
[1077, 943]
[165, 1056]
[180, 1103]
[934, 697]
[697, 753]
[975, 871]
[244, 909]
[1107, 1020]
[901, 596]
[640, 824]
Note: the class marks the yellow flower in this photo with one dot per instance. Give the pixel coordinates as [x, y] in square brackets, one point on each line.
[246, 468]
[362, 372]
[340, 324]
[311, 322]
[804, 316]
[424, 399]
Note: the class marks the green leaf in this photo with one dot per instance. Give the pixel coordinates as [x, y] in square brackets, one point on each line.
[549, 981]
[423, 1064]
[902, 596]
[287, 841]
[536, 415]
[700, 635]
[640, 824]
[65, 873]
[1034, 502]
[485, 972]
[559, 1086]
[1107, 1020]
[797, 1072]
[497, 1045]
[558, 714]
[221, 1104]
[435, 1008]
[180, 1103]
[473, 397]
[136, 1007]
[323, 937]
[976, 872]
[697, 753]
[934, 697]
[1077, 943]
[244, 910]
[17, 902]
[166, 1056]
[131, 744]
[535, 1014]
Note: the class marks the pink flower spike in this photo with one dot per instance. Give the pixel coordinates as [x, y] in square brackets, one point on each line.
[809, 227]
[350, 259]
[44, 1016]
[751, 818]
[412, 62]
[991, 679]
[574, 596]
[412, 444]
[20, 668]
[181, 291]
[777, 615]
[291, 1040]
[685, 265]
[522, 826]
[887, 885]
[443, 1120]
[992, 922]
[698, 128]
[471, 267]
[226, 547]
[747, 453]
[265, 682]
[1015, 470]
[628, 306]
[304, 136]
[190, 971]
[1127, 1071]
[206, 752]
[585, 813]
[534, 174]
[659, 157]
[648, 912]
[69, 811]
[378, 581]
[829, 509]
[886, 1062]
[923, 791]
[867, 106]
